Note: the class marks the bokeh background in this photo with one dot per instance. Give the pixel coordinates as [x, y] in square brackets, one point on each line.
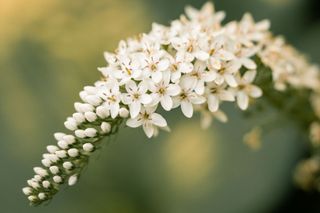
[50, 49]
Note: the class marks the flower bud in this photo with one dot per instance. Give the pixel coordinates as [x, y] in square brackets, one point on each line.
[88, 147]
[70, 139]
[42, 196]
[72, 180]
[46, 184]
[32, 198]
[61, 154]
[67, 165]
[93, 100]
[102, 111]
[62, 144]
[90, 116]
[79, 117]
[40, 171]
[54, 170]
[80, 133]
[58, 135]
[46, 162]
[73, 152]
[90, 132]
[52, 149]
[57, 179]
[27, 190]
[71, 124]
[123, 112]
[105, 127]
[33, 184]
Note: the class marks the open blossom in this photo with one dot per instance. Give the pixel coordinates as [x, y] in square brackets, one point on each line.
[149, 120]
[217, 50]
[246, 89]
[156, 63]
[135, 96]
[217, 93]
[164, 91]
[199, 76]
[188, 97]
[180, 65]
[110, 93]
[226, 74]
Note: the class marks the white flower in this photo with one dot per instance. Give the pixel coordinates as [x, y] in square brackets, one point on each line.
[217, 51]
[156, 63]
[130, 68]
[149, 120]
[243, 58]
[246, 89]
[179, 65]
[188, 45]
[187, 98]
[216, 93]
[112, 96]
[199, 76]
[135, 96]
[206, 16]
[164, 91]
[227, 74]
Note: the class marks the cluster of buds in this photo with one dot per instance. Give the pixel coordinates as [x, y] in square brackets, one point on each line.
[194, 64]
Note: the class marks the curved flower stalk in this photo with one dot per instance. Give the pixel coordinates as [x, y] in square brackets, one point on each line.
[195, 64]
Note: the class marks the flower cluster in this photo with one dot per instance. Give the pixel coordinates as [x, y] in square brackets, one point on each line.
[194, 64]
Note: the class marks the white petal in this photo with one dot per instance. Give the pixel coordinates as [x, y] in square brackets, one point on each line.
[135, 108]
[187, 109]
[114, 110]
[146, 99]
[173, 90]
[185, 67]
[201, 55]
[199, 88]
[210, 76]
[197, 99]
[213, 103]
[175, 76]
[221, 116]
[131, 87]
[225, 55]
[249, 76]
[255, 91]
[156, 76]
[158, 120]
[215, 63]
[226, 95]
[134, 122]
[148, 129]
[242, 100]
[230, 79]
[163, 65]
[166, 102]
[219, 79]
[206, 120]
[249, 63]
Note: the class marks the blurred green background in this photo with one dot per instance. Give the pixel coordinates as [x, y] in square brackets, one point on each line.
[50, 49]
